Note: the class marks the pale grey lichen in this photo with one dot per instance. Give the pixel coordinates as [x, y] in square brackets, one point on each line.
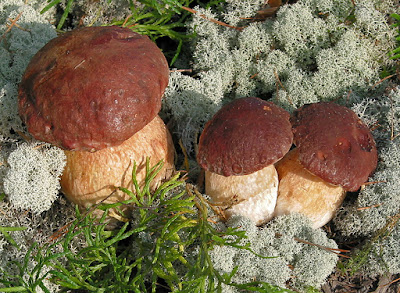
[384, 257]
[291, 243]
[23, 40]
[363, 110]
[349, 65]
[373, 24]
[300, 34]
[339, 9]
[10, 123]
[32, 180]
[312, 50]
[238, 10]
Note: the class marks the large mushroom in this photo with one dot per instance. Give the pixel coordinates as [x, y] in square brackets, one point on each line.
[92, 88]
[335, 153]
[238, 148]
[96, 93]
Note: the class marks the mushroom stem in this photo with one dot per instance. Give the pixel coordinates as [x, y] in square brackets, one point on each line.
[300, 191]
[253, 196]
[89, 178]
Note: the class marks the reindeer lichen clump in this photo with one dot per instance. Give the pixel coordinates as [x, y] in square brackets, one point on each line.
[311, 51]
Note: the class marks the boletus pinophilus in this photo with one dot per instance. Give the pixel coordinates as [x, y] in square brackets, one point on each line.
[335, 153]
[96, 93]
[238, 148]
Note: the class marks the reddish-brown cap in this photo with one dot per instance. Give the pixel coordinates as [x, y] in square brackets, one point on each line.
[92, 88]
[244, 136]
[334, 144]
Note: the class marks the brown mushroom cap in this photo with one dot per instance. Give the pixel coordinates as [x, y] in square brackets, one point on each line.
[244, 136]
[92, 88]
[334, 144]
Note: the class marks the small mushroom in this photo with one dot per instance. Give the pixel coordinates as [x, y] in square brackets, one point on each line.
[335, 152]
[96, 93]
[237, 149]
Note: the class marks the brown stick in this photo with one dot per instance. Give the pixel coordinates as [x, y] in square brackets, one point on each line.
[13, 23]
[211, 19]
[329, 249]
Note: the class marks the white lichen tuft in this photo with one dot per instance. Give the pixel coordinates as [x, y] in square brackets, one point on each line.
[32, 180]
[292, 261]
[339, 9]
[193, 94]
[312, 51]
[300, 34]
[384, 257]
[10, 123]
[238, 10]
[22, 41]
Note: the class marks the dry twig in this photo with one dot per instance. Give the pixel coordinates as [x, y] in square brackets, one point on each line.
[329, 249]
[211, 19]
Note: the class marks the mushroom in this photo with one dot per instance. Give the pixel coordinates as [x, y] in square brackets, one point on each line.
[96, 93]
[335, 153]
[92, 88]
[238, 148]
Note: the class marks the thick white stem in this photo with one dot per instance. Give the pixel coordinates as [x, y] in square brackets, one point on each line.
[253, 196]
